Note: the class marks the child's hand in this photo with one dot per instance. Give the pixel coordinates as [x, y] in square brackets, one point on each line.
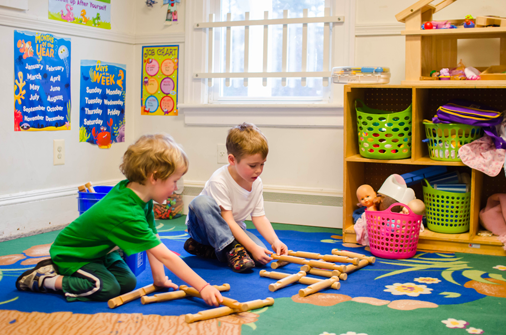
[166, 282]
[261, 255]
[211, 296]
[279, 248]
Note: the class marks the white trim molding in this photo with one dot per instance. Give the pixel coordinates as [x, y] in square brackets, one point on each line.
[46, 194]
[279, 115]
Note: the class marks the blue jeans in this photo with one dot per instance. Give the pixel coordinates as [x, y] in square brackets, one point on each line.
[206, 226]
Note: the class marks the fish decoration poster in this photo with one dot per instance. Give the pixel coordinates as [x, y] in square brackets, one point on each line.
[159, 80]
[41, 82]
[90, 13]
[102, 103]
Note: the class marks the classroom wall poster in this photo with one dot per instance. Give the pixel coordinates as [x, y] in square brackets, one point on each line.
[159, 80]
[41, 82]
[91, 13]
[102, 103]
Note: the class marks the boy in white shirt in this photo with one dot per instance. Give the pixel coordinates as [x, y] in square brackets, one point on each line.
[216, 217]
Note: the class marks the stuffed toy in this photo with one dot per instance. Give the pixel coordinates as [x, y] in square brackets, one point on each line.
[493, 216]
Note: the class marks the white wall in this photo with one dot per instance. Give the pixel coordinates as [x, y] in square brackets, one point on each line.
[34, 194]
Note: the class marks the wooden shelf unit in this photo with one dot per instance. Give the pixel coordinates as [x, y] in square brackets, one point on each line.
[425, 100]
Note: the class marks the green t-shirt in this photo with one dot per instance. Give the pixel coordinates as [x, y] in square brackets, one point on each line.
[120, 219]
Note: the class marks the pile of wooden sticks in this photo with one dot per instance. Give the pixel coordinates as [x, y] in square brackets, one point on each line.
[318, 265]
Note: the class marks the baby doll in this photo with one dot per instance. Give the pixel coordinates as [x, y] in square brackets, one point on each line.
[366, 196]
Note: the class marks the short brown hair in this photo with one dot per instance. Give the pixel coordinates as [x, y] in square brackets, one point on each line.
[156, 154]
[246, 139]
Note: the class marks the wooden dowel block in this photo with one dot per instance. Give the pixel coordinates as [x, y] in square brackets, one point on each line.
[90, 188]
[278, 264]
[255, 304]
[286, 281]
[350, 268]
[127, 297]
[318, 286]
[163, 297]
[209, 314]
[304, 280]
[304, 254]
[324, 273]
[340, 259]
[370, 259]
[326, 265]
[291, 259]
[82, 188]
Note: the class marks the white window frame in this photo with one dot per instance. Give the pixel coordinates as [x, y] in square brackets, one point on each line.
[199, 110]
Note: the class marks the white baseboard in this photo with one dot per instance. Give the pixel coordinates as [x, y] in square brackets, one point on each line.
[297, 214]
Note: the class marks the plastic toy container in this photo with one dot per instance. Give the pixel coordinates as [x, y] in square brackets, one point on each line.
[446, 212]
[360, 75]
[445, 139]
[393, 235]
[383, 134]
[86, 200]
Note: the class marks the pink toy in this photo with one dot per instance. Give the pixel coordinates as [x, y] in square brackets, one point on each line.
[493, 216]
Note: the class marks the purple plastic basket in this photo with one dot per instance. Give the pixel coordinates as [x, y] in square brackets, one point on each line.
[393, 235]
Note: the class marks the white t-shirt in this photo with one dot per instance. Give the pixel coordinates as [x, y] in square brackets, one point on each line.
[229, 195]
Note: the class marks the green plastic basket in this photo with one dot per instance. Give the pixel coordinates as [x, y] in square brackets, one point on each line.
[446, 212]
[445, 139]
[383, 134]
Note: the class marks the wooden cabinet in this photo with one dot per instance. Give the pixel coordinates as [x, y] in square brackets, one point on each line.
[425, 99]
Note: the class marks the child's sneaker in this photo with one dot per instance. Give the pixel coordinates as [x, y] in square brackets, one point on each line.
[239, 260]
[33, 280]
[201, 250]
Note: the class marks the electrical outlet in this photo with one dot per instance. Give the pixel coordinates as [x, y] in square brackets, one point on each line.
[58, 152]
[222, 154]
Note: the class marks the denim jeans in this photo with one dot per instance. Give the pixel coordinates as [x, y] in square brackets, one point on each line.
[206, 226]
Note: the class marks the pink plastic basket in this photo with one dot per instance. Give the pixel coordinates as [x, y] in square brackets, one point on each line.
[393, 235]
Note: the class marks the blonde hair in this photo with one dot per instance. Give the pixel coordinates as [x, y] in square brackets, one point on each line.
[246, 139]
[156, 154]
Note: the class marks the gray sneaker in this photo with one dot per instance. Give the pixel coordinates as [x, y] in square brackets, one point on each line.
[33, 280]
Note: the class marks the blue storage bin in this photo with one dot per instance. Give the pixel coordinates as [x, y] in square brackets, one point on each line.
[136, 262]
[86, 200]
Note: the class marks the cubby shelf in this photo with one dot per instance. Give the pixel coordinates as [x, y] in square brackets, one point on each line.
[425, 100]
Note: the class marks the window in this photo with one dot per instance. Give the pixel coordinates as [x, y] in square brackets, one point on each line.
[274, 89]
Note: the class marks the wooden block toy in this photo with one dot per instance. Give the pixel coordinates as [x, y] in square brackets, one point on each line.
[226, 301]
[278, 264]
[312, 263]
[127, 297]
[82, 188]
[175, 295]
[286, 281]
[350, 268]
[318, 286]
[484, 21]
[304, 280]
[370, 259]
[90, 188]
[223, 311]
[324, 273]
[327, 258]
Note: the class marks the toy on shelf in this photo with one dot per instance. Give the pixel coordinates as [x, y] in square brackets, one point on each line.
[415, 177]
[417, 206]
[468, 21]
[366, 196]
[438, 25]
[493, 216]
[360, 75]
[394, 189]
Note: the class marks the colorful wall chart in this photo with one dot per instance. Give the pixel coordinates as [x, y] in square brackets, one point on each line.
[159, 80]
[92, 13]
[41, 82]
[102, 108]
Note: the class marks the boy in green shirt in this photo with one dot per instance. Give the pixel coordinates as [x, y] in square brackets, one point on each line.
[83, 262]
